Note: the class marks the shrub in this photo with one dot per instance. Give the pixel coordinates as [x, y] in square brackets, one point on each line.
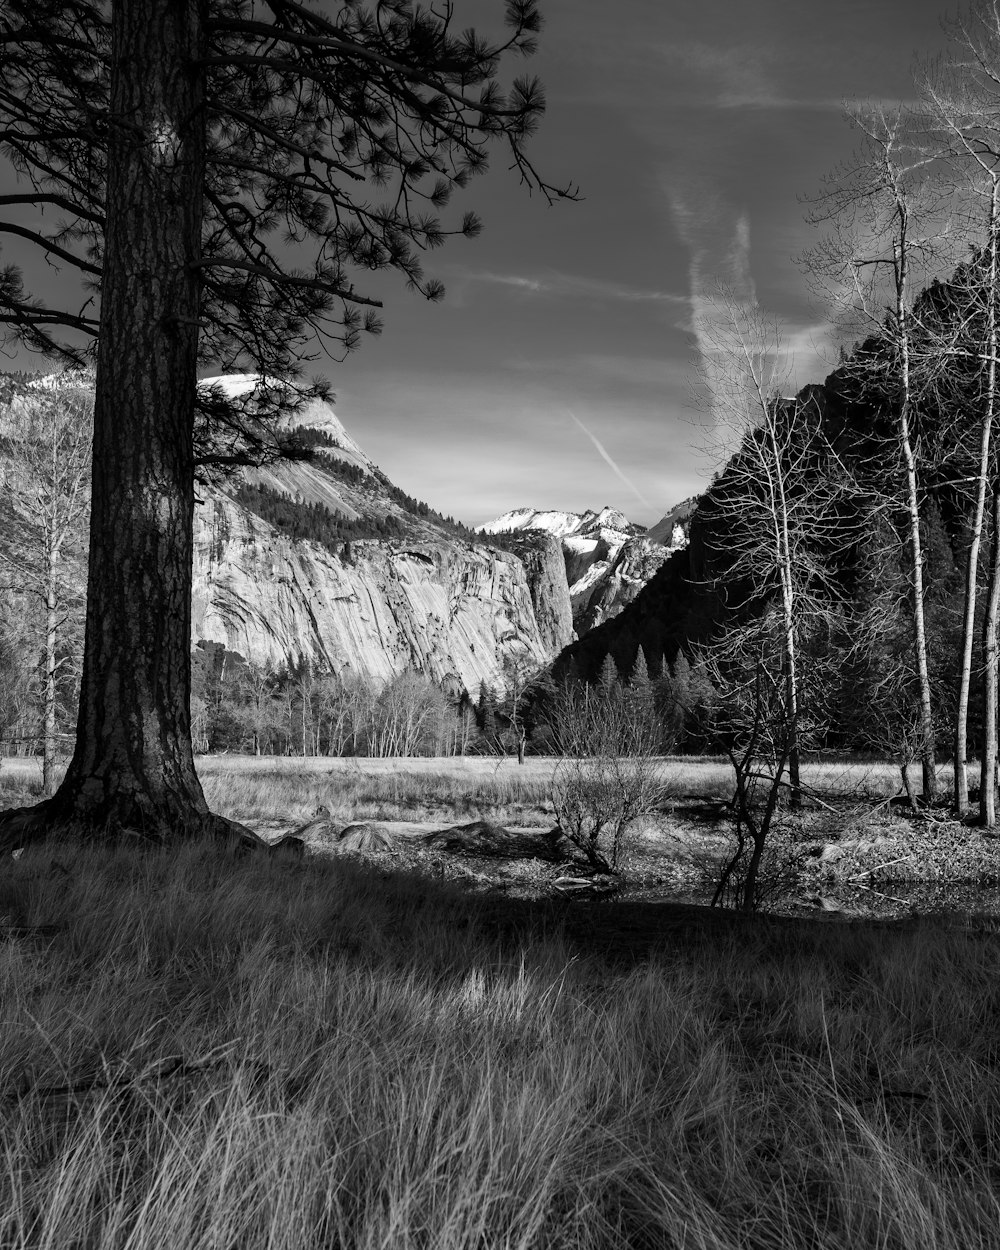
[609, 737]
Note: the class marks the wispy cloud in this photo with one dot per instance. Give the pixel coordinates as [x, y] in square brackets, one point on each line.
[717, 236]
[809, 351]
[605, 456]
[565, 285]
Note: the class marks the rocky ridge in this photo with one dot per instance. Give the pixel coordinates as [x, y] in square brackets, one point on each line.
[608, 559]
[450, 609]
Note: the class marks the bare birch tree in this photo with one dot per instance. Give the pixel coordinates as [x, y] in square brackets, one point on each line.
[889, 230]
[771, 512]
[963, 98]
[46, 472]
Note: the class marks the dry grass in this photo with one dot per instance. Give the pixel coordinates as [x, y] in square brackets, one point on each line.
[290, 788]
[276, 787]
[389, 1067]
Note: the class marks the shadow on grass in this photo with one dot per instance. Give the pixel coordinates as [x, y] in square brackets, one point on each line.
[315, 1054]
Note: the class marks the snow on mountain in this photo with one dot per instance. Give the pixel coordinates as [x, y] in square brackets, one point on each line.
[562, 524]
[608, 559]
[313, 414]
[559, 523]
[671, 530]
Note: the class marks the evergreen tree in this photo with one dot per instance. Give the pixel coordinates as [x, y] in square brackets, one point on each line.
[486, 716]
[217, 167]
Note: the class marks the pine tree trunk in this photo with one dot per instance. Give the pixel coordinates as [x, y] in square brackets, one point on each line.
[988, 764]
[134, 766]
[972, 558]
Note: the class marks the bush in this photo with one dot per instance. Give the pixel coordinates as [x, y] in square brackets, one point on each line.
[609, 737]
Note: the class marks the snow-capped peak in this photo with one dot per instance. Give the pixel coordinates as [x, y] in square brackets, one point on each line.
[562, 524]
[558, 523]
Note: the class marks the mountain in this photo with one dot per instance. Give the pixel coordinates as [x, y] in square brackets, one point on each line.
[608, 559]
[326, 561]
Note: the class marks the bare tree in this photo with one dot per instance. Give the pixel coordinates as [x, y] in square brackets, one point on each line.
[522, 676]
[19, 686]
[406, 716]
[962, 94]
[609, 771]
[46, 474]
[773, 517]
[889, 230]
[758, 727]
[257, 685]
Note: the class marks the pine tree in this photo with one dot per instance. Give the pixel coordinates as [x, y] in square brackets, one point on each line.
[219, 170]
[486, 716]
[608, 677]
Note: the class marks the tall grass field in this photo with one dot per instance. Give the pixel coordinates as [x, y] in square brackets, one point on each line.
[200, 1050]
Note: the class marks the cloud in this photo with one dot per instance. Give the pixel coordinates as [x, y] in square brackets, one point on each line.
[717, 236]
[603, 453]
[559, 285]
[655, 374]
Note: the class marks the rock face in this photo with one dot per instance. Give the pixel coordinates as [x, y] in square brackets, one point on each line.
[542, 557]
[608, 559]
[325, 560]
[450, 609]
[425, 597]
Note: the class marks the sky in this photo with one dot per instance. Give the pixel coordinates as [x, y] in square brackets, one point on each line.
[558, 371]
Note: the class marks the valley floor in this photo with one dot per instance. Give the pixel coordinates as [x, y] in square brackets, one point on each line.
[198, 1050]
[201, 1051]
[852, 854]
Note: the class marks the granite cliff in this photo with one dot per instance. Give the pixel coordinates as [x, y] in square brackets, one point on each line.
[454, 610]
[421, 594]
[325, 560]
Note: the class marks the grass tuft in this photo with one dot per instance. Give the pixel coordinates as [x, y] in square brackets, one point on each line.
[350, 1059]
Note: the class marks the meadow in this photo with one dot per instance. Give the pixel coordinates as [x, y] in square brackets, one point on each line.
[203, 1051]
[289, 789]
[200, 1050]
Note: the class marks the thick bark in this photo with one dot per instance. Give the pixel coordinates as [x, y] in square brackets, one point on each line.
[133, 766]
[972, 557]
[988, 764]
